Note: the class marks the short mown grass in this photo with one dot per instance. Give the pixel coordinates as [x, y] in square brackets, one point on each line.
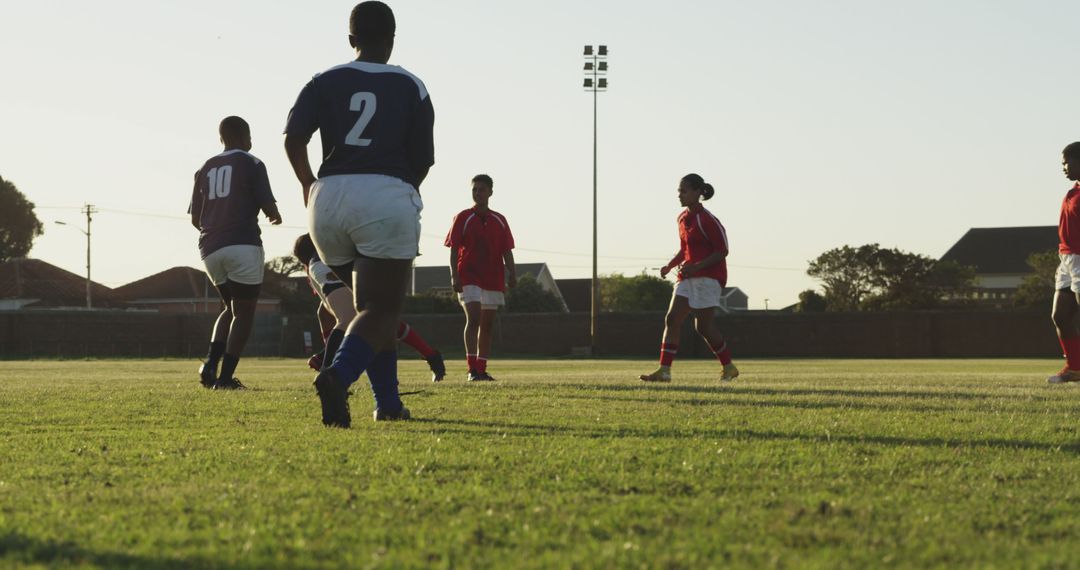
[799, 463]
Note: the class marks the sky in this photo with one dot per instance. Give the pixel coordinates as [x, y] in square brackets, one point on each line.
[820, 124]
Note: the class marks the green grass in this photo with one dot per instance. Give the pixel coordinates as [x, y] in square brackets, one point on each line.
[129, 464]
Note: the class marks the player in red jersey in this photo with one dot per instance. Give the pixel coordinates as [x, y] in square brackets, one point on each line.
[703, 250]
[336, 311]
[481, 265]
[1067, 296]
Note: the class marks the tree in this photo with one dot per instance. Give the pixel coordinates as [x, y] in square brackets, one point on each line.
[872, 278]
[638, 293]
[1037, 289]
[811, 301]
[18, 223]
[285, 265]
[296, 298]
[530, 297]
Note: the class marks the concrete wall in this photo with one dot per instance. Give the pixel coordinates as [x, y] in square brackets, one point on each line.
[756, 334]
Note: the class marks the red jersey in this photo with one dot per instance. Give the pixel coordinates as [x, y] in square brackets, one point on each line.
[701, 235]
[481, 241]
[1069, 224]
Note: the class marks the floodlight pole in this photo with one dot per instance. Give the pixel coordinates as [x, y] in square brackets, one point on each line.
[595, 65]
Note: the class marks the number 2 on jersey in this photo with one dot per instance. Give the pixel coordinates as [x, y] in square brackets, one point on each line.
[364, 103]
[220, 182]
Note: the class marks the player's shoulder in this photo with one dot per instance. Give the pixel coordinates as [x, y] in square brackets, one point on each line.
[234, 157]
[498, 216]
[377, 70]
[464, 214]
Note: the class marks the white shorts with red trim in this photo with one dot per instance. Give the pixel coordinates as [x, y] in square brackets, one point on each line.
[487, 299]
[237, 263]
[701, 292]
[1068, 273]
[371, 215]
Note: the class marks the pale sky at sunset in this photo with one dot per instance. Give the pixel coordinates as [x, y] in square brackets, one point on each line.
[819, 123]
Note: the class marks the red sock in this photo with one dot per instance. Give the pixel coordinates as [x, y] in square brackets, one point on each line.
[667, 353]
[481, 364]
[722, 352]
[1071, 346]
[471, 358]
[407, 335]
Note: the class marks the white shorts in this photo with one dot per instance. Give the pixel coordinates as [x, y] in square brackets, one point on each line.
[702, 292]
[1068, 272]
[487, 299]
[371, 215]
[237, 263]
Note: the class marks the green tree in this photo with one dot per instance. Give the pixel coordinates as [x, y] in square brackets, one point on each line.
[871, 278]
[638, 293]
[295, 294]
[428, 304]
[18, 223]
[1037, 289]
[811, 301]
[530, 297]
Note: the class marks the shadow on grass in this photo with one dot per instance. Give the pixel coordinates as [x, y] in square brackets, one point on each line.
[18, 549]
[793, 404]
[527, 430]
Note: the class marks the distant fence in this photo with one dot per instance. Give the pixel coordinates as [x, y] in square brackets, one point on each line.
[76, 334]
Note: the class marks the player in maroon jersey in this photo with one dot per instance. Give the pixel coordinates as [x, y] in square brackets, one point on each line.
[481, 265]
[701, 260]
[1067, 296]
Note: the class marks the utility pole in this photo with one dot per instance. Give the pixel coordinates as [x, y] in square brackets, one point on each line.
[89, 210]
[595, 66]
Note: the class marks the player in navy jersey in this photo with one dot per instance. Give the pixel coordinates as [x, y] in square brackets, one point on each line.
[337, 302]
[230, 190]
[375, 121]
[702, 264]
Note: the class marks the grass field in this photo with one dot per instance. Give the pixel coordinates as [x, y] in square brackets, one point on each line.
[125, 464]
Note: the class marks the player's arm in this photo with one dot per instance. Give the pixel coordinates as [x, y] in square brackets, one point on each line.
[718, 238]
[327, 320]
[675, 261]
[421, 146]
[511, 269]
[296, 150]
[265, 196]
[455, 279]
[302, 123]
[713, 258]
[195, 209]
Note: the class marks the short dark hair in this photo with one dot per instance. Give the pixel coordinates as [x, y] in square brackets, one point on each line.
[698, 183]
[304, 249]
[1071, 151]
[234, 129]
[372, 23]
[485, 179]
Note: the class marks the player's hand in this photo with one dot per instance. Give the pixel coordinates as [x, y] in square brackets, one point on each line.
[456, 284]
[664, 271]
[275, 218]
[306, 187]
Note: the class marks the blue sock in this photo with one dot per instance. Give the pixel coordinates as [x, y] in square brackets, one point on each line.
[352, 358]
[384, 382]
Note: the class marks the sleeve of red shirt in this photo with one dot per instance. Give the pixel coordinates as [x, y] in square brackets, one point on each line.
[508, 241]
[714, 231]
[453, 237]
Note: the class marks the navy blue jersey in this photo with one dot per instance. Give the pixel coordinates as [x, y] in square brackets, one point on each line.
[373, 118]
[230, 189]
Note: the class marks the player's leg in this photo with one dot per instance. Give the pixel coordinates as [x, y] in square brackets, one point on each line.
[472, 334]
[483, 340]
[326, 328]
[410, 337]
[1066, 307]
[703, 323]
[669, 346]
[245, 298]
[208, 370]
[340, 302]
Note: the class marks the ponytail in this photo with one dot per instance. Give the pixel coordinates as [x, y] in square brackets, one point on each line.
[698, 183]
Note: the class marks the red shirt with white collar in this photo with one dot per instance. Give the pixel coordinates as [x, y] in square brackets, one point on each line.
[1069, 224]
[481, 241]
[701, 235]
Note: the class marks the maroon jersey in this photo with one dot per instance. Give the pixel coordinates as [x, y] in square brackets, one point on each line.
[481, 241]
[700, 235]
[1069, 224]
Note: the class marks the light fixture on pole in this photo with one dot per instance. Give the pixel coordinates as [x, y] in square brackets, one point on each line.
[89, 210]
[596, 67]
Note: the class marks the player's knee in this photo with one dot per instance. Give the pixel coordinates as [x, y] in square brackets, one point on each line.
[702, 326]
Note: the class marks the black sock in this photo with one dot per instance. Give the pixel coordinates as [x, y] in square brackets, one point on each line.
[333, 342]
[217, 349]
[228, 367]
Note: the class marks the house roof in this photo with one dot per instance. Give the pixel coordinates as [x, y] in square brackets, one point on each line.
[173, 283]
[577, 293]
[1002, 250]
[25, 278]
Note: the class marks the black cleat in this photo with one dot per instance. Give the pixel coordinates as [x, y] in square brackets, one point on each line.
[402, 414]
[438, 367]
[334, 398]
[231, 384]
[475, 376]
[207, 377]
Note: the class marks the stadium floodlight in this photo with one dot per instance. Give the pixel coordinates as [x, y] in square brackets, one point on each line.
[595, 66]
